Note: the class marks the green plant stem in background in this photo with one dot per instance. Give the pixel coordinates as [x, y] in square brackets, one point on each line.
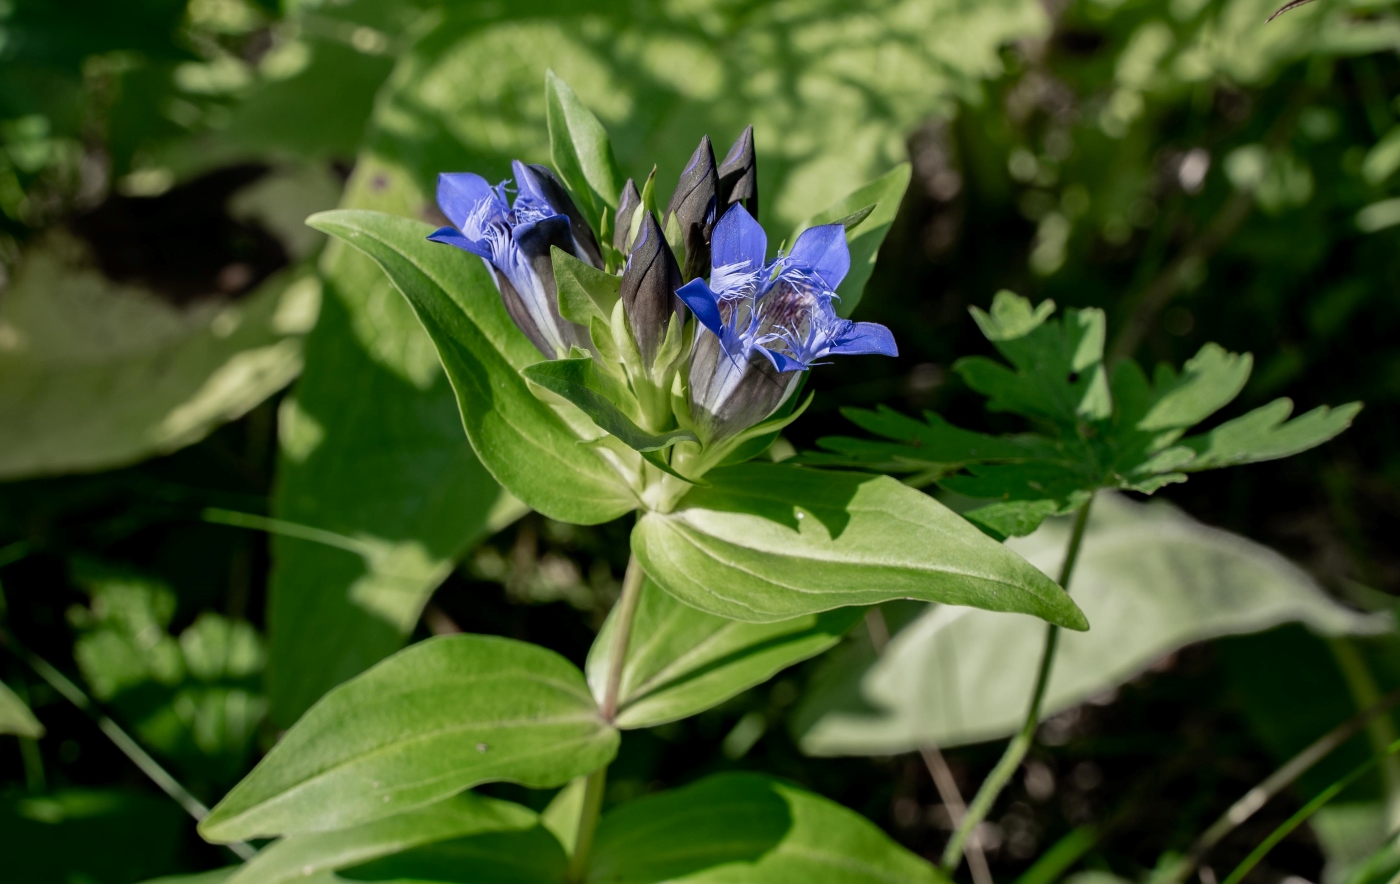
[617, 660]
[123, 741]
[1279, 780]
[1381, 729]
[588, 823]
[937, 765]
[626, 613]
[1307, 810]
[1021, 743]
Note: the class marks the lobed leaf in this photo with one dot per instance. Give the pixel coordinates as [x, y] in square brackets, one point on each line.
[1266, 434]
[682, 661]
[770, 542]
[527, 446]
[438, 717]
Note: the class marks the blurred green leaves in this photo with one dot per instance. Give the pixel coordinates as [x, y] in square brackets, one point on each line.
[195, 699]
[1150, 580]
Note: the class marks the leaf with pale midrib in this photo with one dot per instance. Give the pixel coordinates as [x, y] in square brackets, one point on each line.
[435, 719]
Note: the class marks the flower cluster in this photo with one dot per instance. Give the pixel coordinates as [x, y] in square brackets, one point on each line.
[760, 323]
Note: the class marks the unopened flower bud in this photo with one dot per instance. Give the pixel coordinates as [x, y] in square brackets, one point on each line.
[626, 209]
[738, 176]
[649, 283]
[693, 207]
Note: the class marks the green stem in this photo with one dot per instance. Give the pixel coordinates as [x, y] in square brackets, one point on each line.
[1021, 743]
[1306, 811]
[1275, 783]
[588, 823]
[617, 660]
[617, 654]
[1380, 730]
[123, 741]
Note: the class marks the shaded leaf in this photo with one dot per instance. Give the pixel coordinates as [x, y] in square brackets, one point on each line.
[95, 374]
[867, 213]
[435, 719]
[740, 828]
[597, 394]
[682, 661]
[15, 717]
[770, 542]
[525, 444]
[1150, 579]
[87, 834]
[372, 450]
[1266, 434]
[301, 856]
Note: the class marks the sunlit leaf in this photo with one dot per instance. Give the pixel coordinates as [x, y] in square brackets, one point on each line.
[682, 661]
[770, 542]
[435, 719]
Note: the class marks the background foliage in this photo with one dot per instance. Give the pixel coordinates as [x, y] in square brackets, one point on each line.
[206, 550]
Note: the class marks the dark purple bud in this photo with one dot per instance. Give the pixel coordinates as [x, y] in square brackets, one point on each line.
[693, 206]
[626, 208]
[738, 176]
[649, 283]
[536, 182]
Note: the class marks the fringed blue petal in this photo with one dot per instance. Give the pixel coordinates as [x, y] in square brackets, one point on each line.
[823, 249]
[459, 193]
[453, 237]
[865, 338]
[704, 303]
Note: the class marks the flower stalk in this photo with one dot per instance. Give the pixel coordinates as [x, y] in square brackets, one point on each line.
[1020, 744]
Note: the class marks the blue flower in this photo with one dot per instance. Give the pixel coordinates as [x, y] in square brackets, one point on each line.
[768, 322]
[514, 240]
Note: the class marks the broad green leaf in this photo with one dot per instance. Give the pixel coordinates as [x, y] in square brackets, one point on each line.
[432, 720]
[1266, 434]
[521, 440]
[301, 856]
[681, 661]
[879, 201]
[89, 835]
[15, 717]
[1150, 579]
[770, 542]
[598, 394]
[743, 828]
[372, 451]
[585, 293]
[530, 856]
[581, 152]
[96, 374]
